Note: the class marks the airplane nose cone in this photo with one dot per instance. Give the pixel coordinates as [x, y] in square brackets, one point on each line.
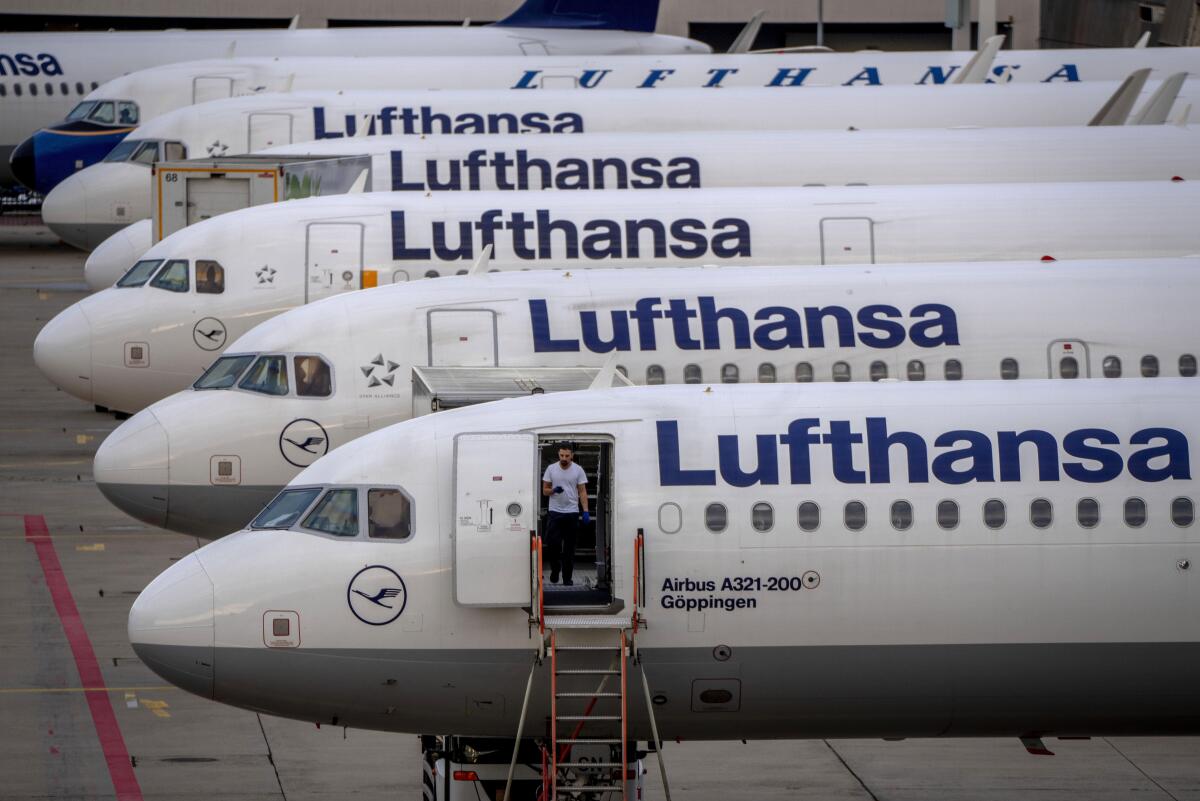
[131, 468]
[63, 352]
[64, 211]
[23, 163]
[171, 626]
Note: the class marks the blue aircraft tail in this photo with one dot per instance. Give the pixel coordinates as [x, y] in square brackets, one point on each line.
[610, 15]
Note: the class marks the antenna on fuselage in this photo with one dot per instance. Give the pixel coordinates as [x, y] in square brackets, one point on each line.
[481, 264]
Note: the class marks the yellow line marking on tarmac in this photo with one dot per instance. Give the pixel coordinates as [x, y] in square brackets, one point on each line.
[33, 690]
[83, 439]
[159, 708]
[98, 546]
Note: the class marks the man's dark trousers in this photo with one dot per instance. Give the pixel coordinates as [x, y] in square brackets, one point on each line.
[561, 530]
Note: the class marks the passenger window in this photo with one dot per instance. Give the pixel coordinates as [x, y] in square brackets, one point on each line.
[953, 370]
[17, 89]
[804, 373]
[916, 370]
[210, 277]
[878, 371]
[655, 375]
[729, 374]
[286, 508]
[1068, 367]
[947, 514]
[336, 514]
[809, 516]
[621, 369]
[33, 89]
[49, 88]
[670, 518]
[389, 515]
[314, 379]
[1149, 366]
[3, 90]
[1187, 365]
[224, 372]
[139, 273]
[691, 374]
[902, 515]
[994, 514]
[1041, 513]
[64, 88]
[841, 371]
[762, 517]
[127, 113]
[1135, 512]
[431, 273]
[766, 374]
[1112, 367]
[146, 154]
[1009, 369]
[460, 272]
[855, 515]
[1182, 512]
[716, 517]
[173, 277]
[1087, 512]
[268, 376]
[79, 87]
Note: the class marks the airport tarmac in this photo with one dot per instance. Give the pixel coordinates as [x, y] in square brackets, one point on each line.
[84, 719]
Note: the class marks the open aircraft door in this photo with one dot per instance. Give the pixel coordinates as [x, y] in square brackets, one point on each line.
[1069, 359]
[211, 87]
[462, 338]
[495, 507]
[333, 253]
[269, 130]
[847, 240]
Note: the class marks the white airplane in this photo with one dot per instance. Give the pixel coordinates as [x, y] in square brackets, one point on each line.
[248, 124]
[911, 560]
[206, 285]
[205, 460]
[44, 76]
[87, 210]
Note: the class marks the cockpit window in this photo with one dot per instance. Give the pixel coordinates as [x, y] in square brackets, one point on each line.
[336, 514]
[81, 110]
[124, 150]
[224, 372]
[127, 112]
[173, 277]
[104, 112]
[389, 514]
[313, 378]
[268, 376]
[146, 154]
[285, 510]
[139, 273]
[210, 277]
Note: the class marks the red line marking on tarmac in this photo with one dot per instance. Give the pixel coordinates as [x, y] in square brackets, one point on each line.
[111, 742]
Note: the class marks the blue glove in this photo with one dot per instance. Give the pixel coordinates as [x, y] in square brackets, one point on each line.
[558, 490]
[587, 518]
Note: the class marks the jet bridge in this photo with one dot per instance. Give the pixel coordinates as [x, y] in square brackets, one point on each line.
[438, 388]
[186, 192]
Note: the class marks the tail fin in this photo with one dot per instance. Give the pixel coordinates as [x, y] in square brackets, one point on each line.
[611, 15]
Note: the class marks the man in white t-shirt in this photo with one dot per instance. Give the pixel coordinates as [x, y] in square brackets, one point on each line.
[565, 484]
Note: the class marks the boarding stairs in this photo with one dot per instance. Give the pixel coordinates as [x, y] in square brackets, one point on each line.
[588, 757]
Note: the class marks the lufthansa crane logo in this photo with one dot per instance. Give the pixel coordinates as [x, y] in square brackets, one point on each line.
[303, 441]
[209, 334]
[376, 595]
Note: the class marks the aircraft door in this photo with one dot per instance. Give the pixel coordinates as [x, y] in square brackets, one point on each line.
[211, 87]
[847, 240]
[269, 130]
[462, 338]
[495, 507]
[1069, 359]
[208, 197]
[333, 256]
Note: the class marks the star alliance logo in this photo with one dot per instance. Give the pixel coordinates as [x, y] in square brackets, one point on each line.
[386, 375]
[265, 275]
[217, 148]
